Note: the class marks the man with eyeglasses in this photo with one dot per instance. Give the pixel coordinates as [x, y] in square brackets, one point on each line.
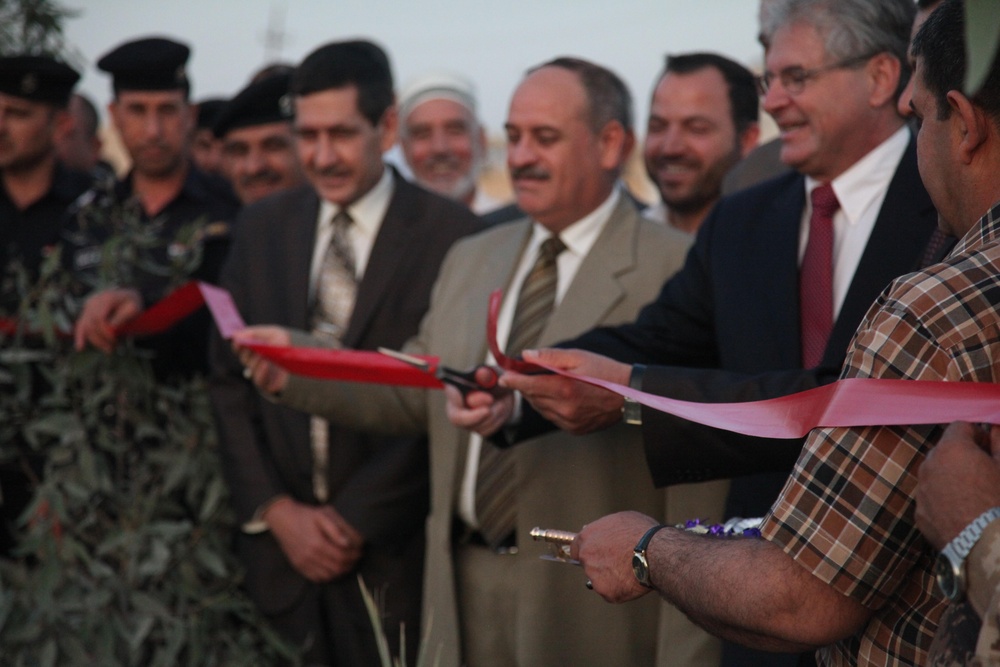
[770, 294]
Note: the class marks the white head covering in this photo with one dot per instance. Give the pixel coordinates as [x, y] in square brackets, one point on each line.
[437, 85]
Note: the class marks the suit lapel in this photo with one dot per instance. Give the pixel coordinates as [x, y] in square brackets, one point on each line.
[901, 232]
[390, 247]
[496, 271]
[775, 245]
[297, 262]
[596, 289]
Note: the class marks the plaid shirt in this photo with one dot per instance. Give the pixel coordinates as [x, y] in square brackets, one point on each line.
[846, 512]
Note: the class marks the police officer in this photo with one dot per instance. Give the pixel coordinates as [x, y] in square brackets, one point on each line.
[186, 209]
[35, 189]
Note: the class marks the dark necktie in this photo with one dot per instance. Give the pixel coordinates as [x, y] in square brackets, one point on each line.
[336, 288]
[816, 277]
[496, 508]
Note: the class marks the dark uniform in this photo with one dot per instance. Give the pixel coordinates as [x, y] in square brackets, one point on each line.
[195, 222]
[188, 238]
[28, 236]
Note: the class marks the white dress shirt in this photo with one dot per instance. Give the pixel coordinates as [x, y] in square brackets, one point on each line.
[367, 213]
[860, 190]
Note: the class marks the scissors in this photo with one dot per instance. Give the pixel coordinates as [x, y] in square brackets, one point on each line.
[464, 381]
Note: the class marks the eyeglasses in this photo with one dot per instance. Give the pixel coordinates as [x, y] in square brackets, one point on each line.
[793, 79]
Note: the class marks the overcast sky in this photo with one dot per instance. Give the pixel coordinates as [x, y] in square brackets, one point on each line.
[491, 43]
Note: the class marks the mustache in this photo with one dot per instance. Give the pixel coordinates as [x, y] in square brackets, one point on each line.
[333, 171]
[529, 173]
[445, 159]
[265, 177]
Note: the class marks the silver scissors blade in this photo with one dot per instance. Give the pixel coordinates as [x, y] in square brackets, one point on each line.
[406, 358]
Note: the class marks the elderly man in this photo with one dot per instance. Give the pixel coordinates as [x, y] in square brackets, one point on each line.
[352, 256]
[842, 565]
[152, 113]
[258, 145]
[442, 139]
[584, 257]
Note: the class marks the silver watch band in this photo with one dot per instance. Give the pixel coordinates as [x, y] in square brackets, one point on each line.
[964, 541]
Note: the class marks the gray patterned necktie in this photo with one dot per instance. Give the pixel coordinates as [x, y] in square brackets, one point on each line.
[336, 288]
[496, 508]
[337, 283]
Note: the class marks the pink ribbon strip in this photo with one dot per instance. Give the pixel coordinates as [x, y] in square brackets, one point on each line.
[850, 402]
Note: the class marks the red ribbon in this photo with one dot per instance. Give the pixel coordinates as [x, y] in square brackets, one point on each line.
[503, 361]
[851, 402]
[351, 365]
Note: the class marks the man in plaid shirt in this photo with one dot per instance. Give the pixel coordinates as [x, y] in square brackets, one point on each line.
[842, 567]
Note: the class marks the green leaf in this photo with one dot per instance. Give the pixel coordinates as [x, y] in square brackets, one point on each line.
[214, 493]
[143, 626]
[211, 560]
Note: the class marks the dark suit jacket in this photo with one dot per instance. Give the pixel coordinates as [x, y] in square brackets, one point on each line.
[730, 320]
[379, 485]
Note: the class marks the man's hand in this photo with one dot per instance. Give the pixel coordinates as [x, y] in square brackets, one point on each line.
[573, 406]
[958, 481]
[268, 377]
[318, 542]
[483, 412]
[102, 313]
[605, 549]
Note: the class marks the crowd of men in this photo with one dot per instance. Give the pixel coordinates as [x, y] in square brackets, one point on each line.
[867, 249]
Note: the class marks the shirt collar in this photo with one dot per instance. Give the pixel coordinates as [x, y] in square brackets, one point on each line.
[984, 232]
[867, 179]
[368, 210]
[580, 235]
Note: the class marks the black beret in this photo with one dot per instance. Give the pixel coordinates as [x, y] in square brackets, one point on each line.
[337, 64]
[153, 63]
[265, 101]
[208, 112]
[37, 78]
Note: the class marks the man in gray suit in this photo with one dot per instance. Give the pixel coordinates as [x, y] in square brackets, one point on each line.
[320, 503]
[489, 599]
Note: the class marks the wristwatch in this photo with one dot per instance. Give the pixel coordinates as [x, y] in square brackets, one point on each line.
[640, 566]
[631, 409]
[950, 567]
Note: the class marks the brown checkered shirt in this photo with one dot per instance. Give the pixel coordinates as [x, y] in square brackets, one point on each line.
[846, 512]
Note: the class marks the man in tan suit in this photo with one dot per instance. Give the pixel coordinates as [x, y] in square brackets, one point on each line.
[489, 601]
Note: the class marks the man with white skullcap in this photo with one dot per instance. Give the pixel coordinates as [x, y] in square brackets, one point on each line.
[442, 139]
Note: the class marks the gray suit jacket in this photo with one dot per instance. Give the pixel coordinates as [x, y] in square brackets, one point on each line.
[563, 481]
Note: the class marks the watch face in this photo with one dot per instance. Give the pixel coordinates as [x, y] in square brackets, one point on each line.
[946, 579]
[640, 569]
